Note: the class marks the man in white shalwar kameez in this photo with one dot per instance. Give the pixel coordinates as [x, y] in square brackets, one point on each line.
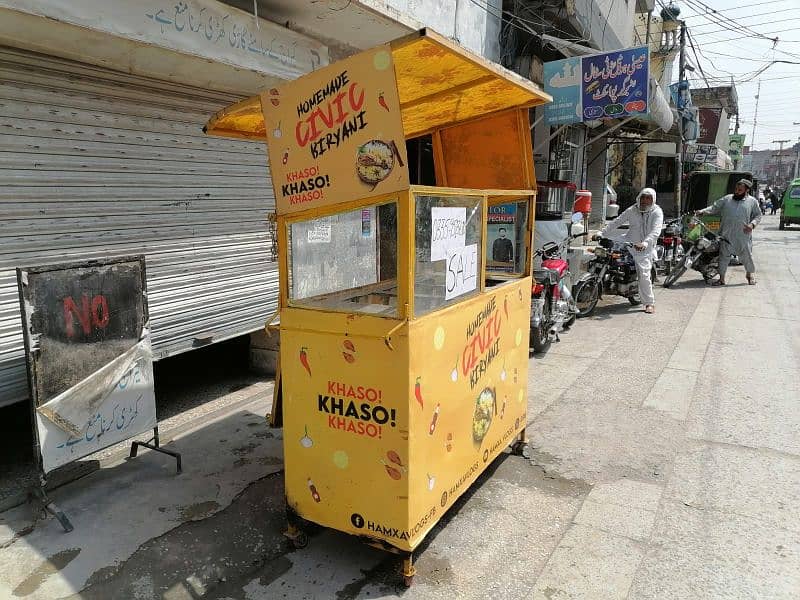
[644, 219]
[739, 214]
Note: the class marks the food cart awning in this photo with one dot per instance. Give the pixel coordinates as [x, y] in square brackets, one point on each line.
[439, 83]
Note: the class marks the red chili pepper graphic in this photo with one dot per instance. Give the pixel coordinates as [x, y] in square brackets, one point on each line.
[395, 473]
[314, 492]
[275, 101]
[285, 158]
[349, 347]
[394, 457]
[433, 421]
[505, 306]
[392, 472]
[382, 101]
[304, 360]
[418, 393]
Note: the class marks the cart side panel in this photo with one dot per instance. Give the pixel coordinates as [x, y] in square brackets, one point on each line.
[488, 153]
[345, 405]
[469, 382]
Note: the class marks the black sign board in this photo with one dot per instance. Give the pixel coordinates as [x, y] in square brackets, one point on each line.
[81, 316]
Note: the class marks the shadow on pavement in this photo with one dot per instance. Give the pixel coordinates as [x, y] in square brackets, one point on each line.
[142, 531]
[608, 311]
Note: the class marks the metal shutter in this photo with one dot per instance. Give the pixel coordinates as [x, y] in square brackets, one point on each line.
[98, 163]
[596, 157]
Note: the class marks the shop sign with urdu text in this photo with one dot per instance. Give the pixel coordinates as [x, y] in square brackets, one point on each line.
[611, 85]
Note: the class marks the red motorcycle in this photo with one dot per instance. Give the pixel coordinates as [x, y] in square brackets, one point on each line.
[553, 307]
[669, 248]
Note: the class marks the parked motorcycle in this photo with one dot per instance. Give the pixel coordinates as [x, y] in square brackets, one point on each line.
[612, 272]
[669, 247]
[553, 308]
[702, 255]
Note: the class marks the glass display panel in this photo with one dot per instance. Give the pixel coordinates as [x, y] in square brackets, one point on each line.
[449, 231]
[346, 261]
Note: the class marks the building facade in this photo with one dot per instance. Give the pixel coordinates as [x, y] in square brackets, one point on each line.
[103, 152]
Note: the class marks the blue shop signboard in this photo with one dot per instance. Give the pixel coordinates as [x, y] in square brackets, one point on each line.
[563, 82]
[611, 85]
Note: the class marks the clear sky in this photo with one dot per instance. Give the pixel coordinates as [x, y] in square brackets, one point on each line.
[728, 45]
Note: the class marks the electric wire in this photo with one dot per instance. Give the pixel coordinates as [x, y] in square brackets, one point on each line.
[716, 31]
[771, 13]
[730, 24]
[740, 7]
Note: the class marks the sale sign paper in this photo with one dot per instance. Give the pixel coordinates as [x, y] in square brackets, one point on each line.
[461, 276]
[336, 134]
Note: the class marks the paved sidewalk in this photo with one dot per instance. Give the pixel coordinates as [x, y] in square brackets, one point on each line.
[665, 465]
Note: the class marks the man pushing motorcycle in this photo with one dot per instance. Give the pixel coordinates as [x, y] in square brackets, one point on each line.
[739, 214]
[644, 220]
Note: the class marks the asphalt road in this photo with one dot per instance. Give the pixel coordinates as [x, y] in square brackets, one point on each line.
[665, 464]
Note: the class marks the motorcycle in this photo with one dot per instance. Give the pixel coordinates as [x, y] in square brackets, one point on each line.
[553, 308]
[702, 255]
[612, 271]
[669, 247]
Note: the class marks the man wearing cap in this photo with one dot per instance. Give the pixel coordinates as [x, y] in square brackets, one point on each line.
[739, 214]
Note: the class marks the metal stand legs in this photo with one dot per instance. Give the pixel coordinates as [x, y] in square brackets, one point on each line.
[50, 506]
[156, 446]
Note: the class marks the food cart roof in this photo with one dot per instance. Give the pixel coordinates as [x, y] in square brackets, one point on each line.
[439, 83]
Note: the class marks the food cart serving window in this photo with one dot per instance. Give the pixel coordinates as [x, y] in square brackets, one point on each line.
[404, 309]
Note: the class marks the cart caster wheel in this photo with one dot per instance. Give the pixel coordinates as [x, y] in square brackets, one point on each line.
[521, 449]
[300, 542]
[408, 580]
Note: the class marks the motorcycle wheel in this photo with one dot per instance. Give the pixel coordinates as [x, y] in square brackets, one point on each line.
[540, 338]
[710, 272]
[677, 273]
[570, 322]
[587, 295]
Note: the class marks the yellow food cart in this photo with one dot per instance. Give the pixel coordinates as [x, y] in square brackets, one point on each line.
[404, 308]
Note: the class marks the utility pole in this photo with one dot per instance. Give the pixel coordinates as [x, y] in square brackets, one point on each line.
[780, 159]
[679, 145]
[755, 117]
[797, 161]
[741, 150]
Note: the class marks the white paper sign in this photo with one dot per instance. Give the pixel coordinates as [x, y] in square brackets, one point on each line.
[128, 410]
[448, 230]
[462, 271]
[320, 234]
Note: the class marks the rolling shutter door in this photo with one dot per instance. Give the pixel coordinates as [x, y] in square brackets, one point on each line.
[96, 163]
[596, 156]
